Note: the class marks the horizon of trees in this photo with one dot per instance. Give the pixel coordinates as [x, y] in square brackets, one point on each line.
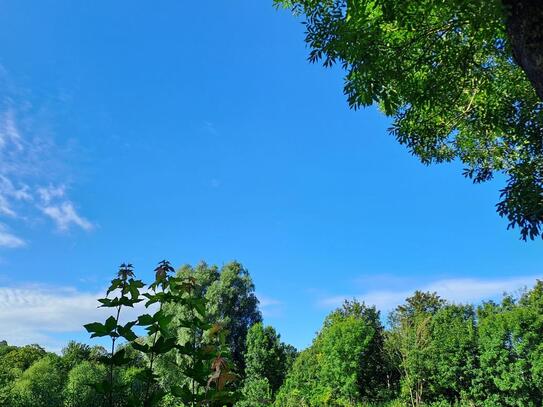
[430, 352]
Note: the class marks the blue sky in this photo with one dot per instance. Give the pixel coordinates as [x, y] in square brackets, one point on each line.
[137, 131]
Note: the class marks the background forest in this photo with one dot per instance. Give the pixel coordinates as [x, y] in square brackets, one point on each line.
[429, 351]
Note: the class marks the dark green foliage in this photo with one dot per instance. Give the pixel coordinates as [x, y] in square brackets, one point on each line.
[5, 348]
[511, 349]
[445, 72]
[267, 363]
[266, 356]
[201, 353]
[126, 287]
[454, 356]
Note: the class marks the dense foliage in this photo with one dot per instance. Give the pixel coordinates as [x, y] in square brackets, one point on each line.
[430, 352]
[459, 78]
[433, 353]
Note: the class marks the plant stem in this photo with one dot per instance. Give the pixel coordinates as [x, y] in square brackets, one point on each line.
[113, 339]
[148, 386]
[193, 348]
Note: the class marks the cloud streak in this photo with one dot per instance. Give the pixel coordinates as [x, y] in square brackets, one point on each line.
[65, 215]
[59, 209]
[458, 290]
[270, 307]
[9, 240]
[32, 182]
[37, 314]
[46, 314]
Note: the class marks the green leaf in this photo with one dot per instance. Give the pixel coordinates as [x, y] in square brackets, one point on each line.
[163, 345]
[144, 348]
[162, 319]
[182, 392]
[111, 323]
[96, 329]
[119, 358]
[106, 302]
[199, 305]
[126, 332]
[115, 284]
[145, 319]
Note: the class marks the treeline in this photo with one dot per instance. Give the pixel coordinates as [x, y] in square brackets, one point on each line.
[202, 342]
[432, 353]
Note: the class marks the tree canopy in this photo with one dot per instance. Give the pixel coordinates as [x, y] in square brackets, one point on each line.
[462, 81]
[231, 300]
[343, 366]
[432, 353]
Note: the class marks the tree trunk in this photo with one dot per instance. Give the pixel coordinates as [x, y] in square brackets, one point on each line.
[525, 30]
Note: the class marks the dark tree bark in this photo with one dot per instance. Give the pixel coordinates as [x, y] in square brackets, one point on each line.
[525, 30]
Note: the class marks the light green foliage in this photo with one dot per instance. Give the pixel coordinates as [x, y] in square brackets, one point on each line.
[302, 386]
[97, 353]
[79, 389]
[13, 362]
[265, 356]
[40, 385]
[511, 349]
[338, 368]
[22, 358]
[75, 353]
[132, 385]
[433, 354]
[410, 344]
[444, 72]
[267, 362]
[256, 392]
[374, 374]
[341, 350]
[447, 356]
[201, 355]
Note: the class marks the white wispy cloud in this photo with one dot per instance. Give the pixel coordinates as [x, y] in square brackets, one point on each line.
[10, 193]
[458, 290]
[9, 132]
[270, 307]
[33, 184]
[61, 210]
[47, 314]
[9, 240]
[64, 215]
[210, 128]
[49, 193]
[37, 314]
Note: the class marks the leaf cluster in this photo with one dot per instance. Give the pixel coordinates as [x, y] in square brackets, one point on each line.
[445, 73]
[205, 364]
